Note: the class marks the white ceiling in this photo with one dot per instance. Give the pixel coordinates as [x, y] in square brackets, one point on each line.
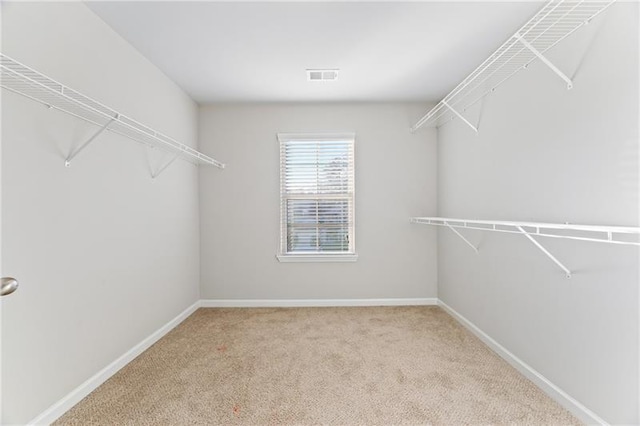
[258, 51]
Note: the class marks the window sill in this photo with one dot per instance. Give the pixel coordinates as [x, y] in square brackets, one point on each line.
[313, 258]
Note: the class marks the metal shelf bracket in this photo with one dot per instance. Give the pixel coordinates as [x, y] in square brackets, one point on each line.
[455, 231]
[545, 251]
[545, 60]
[475, 129]
[163, 168]
[67, 162]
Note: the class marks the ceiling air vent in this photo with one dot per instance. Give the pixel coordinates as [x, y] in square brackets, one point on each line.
[322, 75]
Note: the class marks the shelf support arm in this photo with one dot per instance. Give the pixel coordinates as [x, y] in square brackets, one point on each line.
[455, 231]
[460, 116]
[545, 251]
[163, 168]
[67, 162]
[545, 60]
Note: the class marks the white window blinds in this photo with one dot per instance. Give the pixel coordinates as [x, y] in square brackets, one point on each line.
[317, 194]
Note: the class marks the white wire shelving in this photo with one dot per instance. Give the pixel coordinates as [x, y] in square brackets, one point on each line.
[552, 24]
[626, 235]
[19, 78]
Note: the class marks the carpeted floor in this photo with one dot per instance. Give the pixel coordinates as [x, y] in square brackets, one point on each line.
[310, 366]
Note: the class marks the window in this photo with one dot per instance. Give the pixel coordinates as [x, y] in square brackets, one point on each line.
[317, 197]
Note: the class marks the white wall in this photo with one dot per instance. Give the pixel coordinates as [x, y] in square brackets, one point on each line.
[547, 154]
[395, 179]
[104, 254]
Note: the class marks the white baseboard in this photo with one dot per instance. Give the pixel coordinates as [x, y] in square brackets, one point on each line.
[557, 394]
[291, 303]
[52, 413]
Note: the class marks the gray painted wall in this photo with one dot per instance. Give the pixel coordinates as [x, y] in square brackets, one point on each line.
[395, 178]
[105, 255]
[551, 155]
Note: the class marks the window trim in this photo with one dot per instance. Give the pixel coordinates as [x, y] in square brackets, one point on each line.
[317, 257]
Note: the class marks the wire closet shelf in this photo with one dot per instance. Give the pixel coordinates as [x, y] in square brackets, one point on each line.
[627, 235]
[19, 78]
[594, 233]
[553, 23]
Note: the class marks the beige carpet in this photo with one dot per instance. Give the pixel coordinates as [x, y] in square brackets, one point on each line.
[309, 366]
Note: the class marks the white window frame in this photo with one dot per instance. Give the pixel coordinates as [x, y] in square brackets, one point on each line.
[283, 255]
